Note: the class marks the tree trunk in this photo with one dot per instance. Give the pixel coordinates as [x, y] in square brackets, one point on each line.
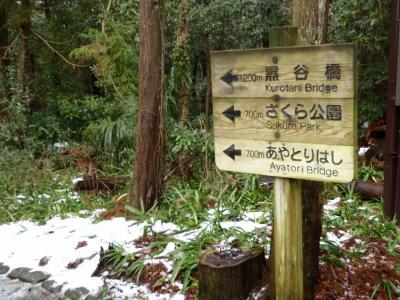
[3, 37]
[311, 17]
[24, 27]
[307, 16]
[181, 44]
[148, 176]
[208, 80]
[183, 73]
[324, 16]
[312, 229]
[207, 97]
[4, 61]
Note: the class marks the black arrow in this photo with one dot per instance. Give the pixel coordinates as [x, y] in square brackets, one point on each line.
[231, 113]
[232, 152]
[229, 78]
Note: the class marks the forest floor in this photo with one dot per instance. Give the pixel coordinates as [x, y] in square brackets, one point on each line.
[58, 242]
[152, 258]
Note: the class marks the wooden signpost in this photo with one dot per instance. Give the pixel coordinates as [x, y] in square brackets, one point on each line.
[290, 113]
[287, 112]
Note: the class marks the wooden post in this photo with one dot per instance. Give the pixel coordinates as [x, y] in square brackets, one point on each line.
[288, 248]
[287, 245]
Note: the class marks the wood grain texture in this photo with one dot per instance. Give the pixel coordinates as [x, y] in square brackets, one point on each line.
[253, 159]
[223, 277]
[254, 126]
[254, 123]
[288, 254]
[255, 62]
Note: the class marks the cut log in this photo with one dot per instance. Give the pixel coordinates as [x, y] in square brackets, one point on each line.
[100, 183]
[230, 275]
[368, 189]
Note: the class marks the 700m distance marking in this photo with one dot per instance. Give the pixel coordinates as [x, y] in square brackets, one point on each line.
[255, 154]
[253, 114]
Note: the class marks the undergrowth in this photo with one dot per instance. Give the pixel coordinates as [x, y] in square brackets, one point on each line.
[38, 189]
[209, 215]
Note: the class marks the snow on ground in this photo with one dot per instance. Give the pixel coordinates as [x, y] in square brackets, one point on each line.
[25, 243]
[339, 237]
[332, 204]
[65, 241]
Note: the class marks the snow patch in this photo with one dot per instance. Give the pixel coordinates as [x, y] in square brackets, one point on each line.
[58, 240]
[332, 204]
[362, 151]
[338, 238]
[76, 180]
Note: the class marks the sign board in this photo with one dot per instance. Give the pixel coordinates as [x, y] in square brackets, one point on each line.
[287, 112]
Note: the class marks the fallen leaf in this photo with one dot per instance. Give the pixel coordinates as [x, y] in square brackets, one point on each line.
[75, 264]
[81, 244]
[43, 261]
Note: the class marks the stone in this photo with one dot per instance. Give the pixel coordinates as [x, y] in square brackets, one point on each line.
[50, 286]
[72, 294]
[4, 269]
[94, 297]
[83, 290]
[34, 277]
[102, 294]
[11, 289]
[76, 294]
[43, 261]
[18, 272]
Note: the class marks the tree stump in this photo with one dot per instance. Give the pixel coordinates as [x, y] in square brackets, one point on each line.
[230, 275]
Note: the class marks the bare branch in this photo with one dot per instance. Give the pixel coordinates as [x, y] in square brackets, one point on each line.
[103, 23]
[8, 48]
[56, 51]
[115, 86]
